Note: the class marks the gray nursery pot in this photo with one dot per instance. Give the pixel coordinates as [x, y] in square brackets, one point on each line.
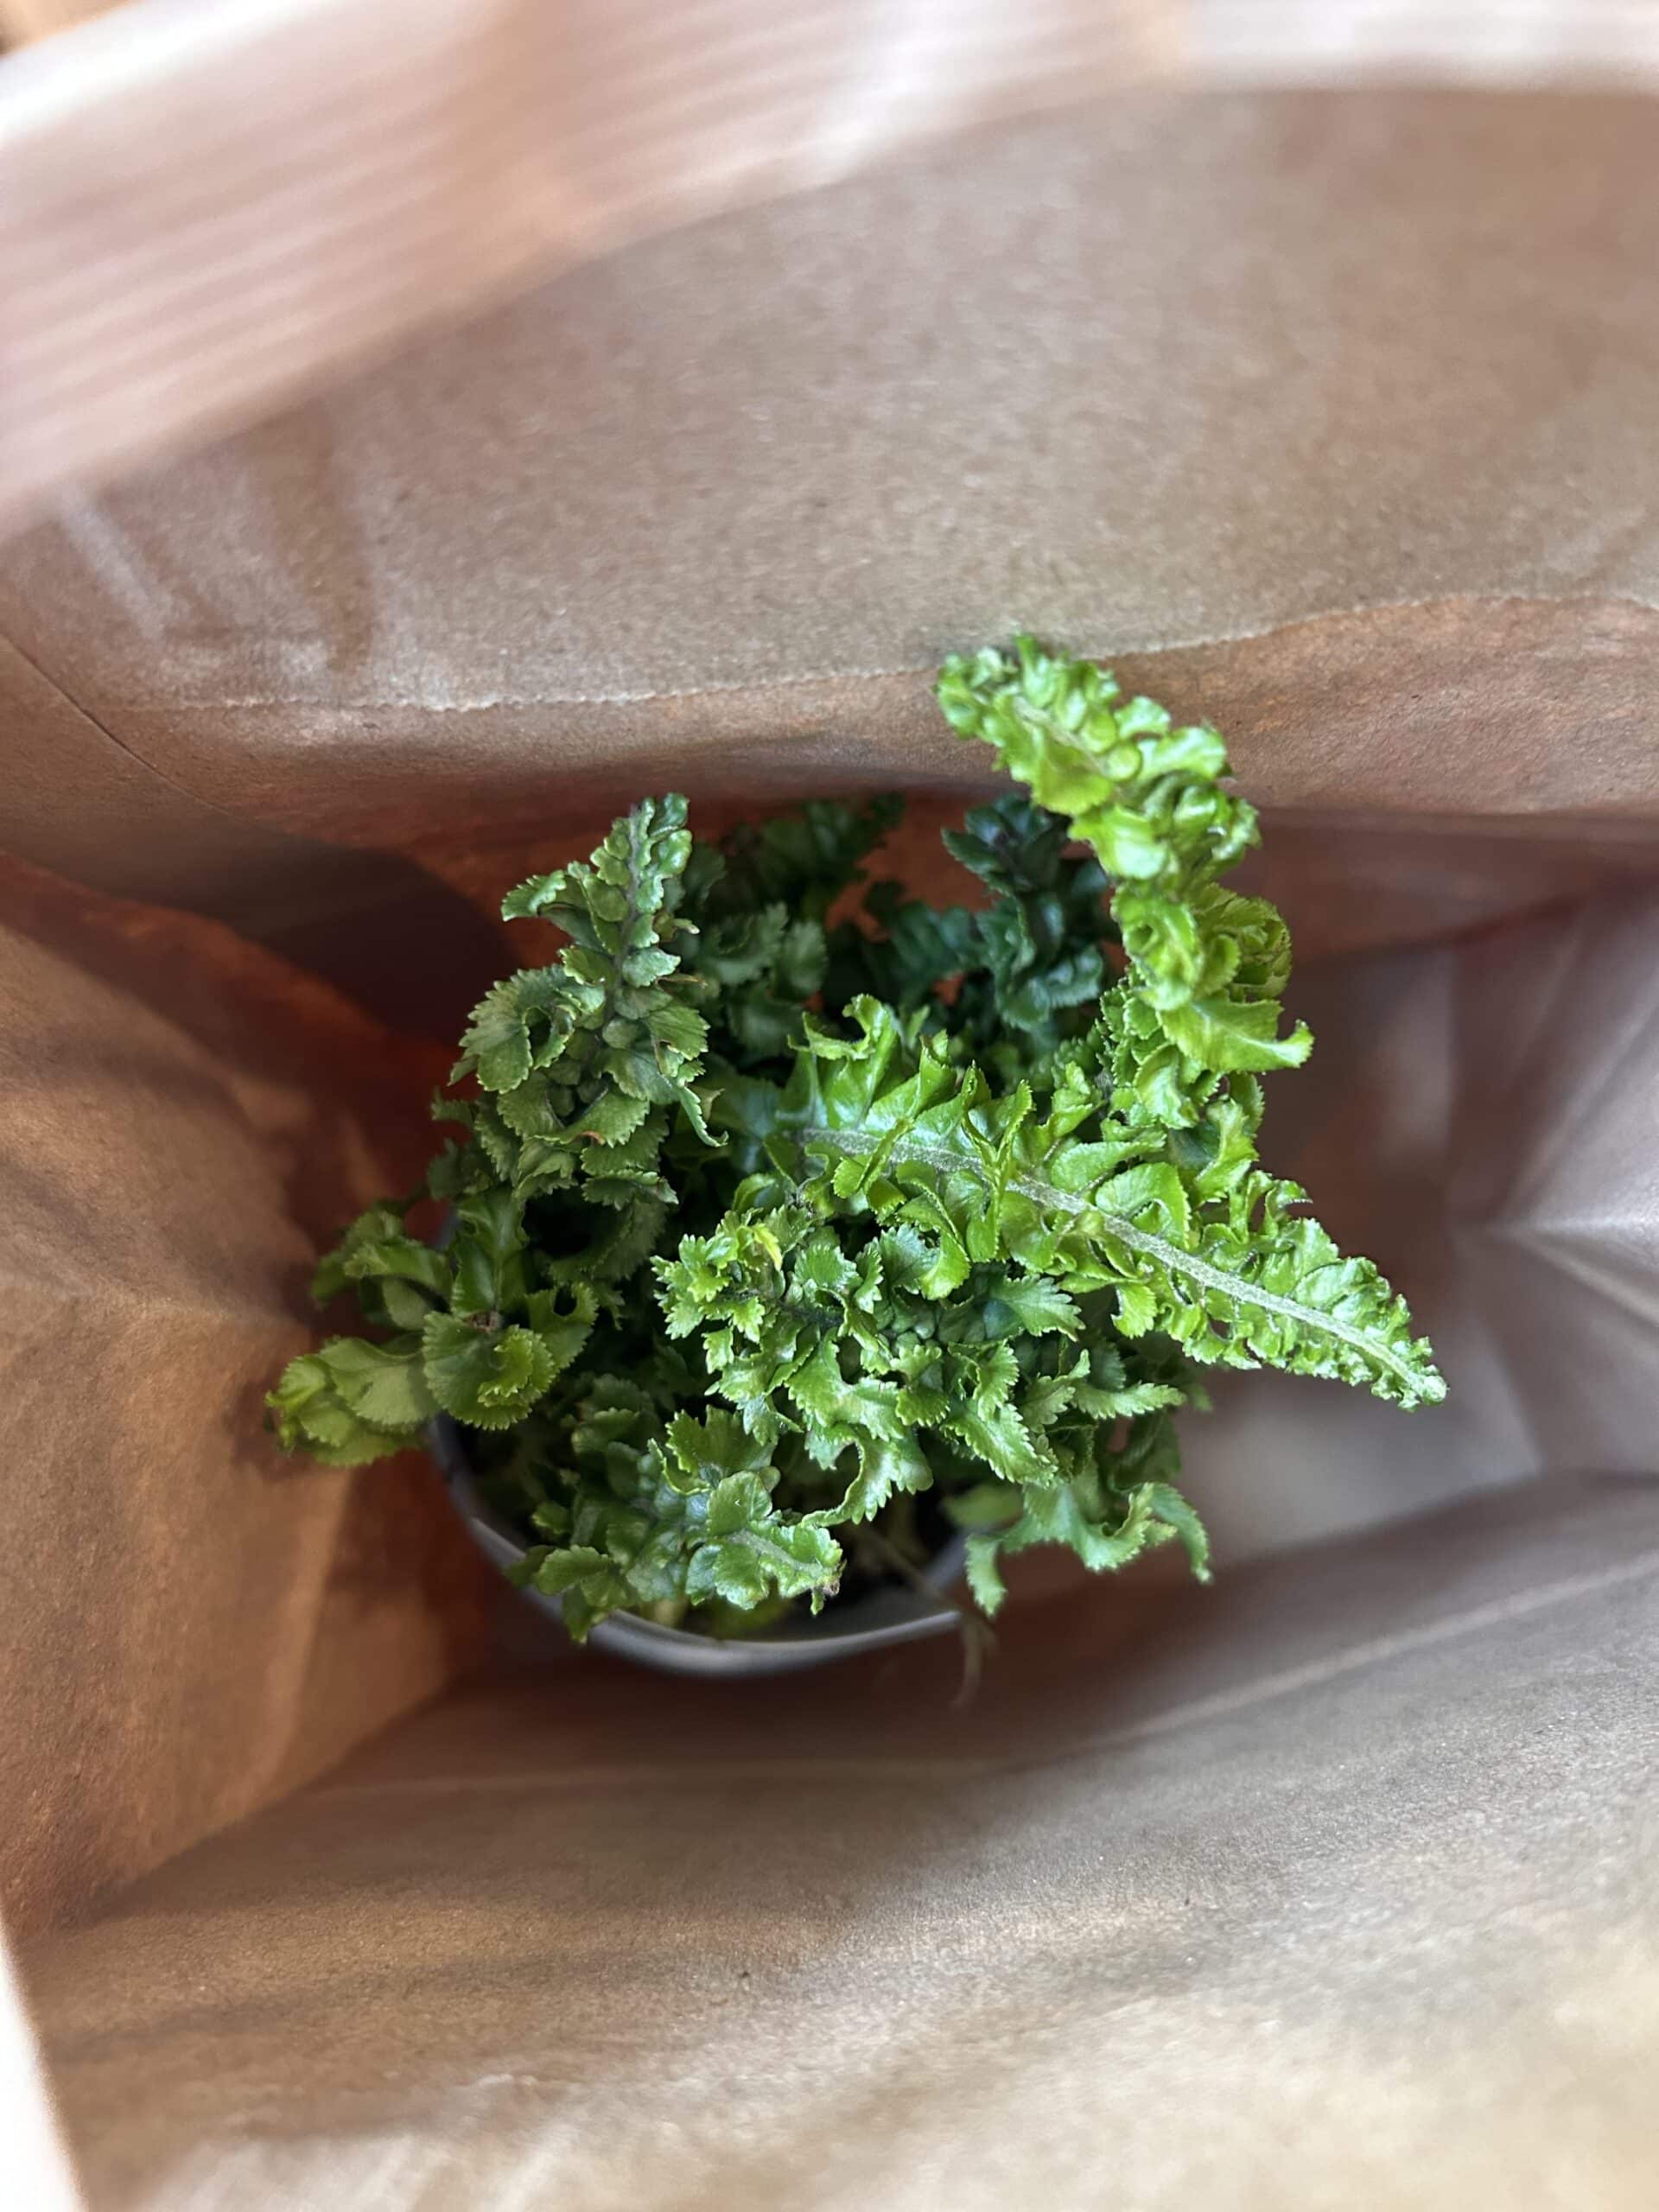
[887, 1617]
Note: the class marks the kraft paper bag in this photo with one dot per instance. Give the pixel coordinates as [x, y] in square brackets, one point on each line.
[1322, 412]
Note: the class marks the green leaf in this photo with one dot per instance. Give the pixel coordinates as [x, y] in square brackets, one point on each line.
[376, 1226]
[1151, 800]
[912, 949]
[350, 1403]
[1176, 1513]
[738, 1502]
[556, 1572]
[754, 1563]
[520, 1024]
[729, 1571]
[898, 1132]
[985, 1508]
[1039, 947]
[1027, 1306]
[706, 1451]
[800, 861]
[984, 1574]
[485, 1253]
[489, 1378]
[563, 1328]
[1229, 1034]
[577, 1054]
[382, 1384]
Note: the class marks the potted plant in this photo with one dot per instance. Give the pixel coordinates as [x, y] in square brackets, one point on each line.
[795, 1254]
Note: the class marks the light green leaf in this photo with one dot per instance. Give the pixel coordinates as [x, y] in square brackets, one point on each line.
[984, 1574]
[489, 1378]
[738, 1502]
[349, 1403]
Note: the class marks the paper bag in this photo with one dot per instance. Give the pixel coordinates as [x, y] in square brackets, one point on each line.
[1325, 413]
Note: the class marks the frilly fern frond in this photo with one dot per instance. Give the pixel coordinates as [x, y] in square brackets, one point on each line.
[1149, 799]
[1193, 1240]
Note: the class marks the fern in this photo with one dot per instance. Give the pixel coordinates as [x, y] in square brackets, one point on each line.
[768, 1227]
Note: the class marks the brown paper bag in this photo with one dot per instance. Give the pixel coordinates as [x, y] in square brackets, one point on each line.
[1321, 412]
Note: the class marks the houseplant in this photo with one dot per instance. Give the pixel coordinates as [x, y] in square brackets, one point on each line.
[783, 1241]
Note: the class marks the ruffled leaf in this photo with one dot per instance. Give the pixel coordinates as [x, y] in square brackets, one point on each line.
[489, 1378]
[352, 1402]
